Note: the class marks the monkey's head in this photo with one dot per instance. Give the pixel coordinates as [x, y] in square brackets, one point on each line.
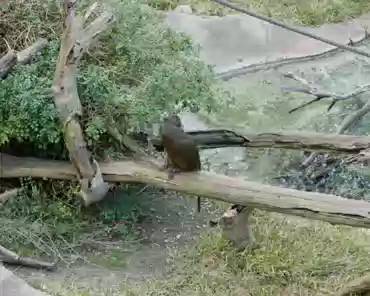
[173, 119]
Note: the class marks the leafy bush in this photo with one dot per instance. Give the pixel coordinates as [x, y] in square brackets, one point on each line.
[133, 74]
[138, 70]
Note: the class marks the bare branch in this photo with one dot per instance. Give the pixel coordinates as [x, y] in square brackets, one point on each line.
[8, 61]
[291, 28]
[252, 68]
[319, 95]
[126, 141]
[347, 122]
[299, 79]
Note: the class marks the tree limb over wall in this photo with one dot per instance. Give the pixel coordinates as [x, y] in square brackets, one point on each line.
[208, 139]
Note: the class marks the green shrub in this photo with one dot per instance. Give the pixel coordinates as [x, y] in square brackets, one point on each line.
[135, 72]
[138, 70]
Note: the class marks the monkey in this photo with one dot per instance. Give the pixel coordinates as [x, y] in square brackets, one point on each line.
[182, 151]
[360, 286]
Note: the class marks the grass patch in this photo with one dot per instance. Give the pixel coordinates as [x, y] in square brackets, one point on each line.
[300, 12]
[305, 259]
[296, 258]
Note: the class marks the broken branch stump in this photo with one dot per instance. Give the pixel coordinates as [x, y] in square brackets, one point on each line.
[236, 227]
[7, 61]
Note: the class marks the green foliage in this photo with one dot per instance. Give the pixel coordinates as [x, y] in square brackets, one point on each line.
[138, 70]
[27, 112]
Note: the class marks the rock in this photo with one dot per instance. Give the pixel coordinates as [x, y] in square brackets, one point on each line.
[11, 285]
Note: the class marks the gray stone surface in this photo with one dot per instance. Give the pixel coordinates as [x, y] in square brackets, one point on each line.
[238, 40]
[12, 285]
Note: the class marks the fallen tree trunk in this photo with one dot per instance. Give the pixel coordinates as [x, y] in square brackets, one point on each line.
[329, 208]
[208, 139]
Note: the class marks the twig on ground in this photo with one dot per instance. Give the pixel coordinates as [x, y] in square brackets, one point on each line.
[9, 257]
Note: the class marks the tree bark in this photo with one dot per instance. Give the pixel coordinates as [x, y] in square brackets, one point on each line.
[330, 208]
[24, 56]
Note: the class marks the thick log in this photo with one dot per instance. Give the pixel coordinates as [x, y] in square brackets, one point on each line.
[24, 56]
[329, 208]
[209, 139]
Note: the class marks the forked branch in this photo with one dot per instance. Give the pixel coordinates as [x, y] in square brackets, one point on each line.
[347, 122]
[75, 41]
[319, 95]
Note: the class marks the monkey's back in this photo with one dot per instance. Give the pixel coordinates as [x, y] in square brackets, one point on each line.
[181, 148]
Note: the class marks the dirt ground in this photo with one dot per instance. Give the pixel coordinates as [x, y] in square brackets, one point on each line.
[173, 225]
